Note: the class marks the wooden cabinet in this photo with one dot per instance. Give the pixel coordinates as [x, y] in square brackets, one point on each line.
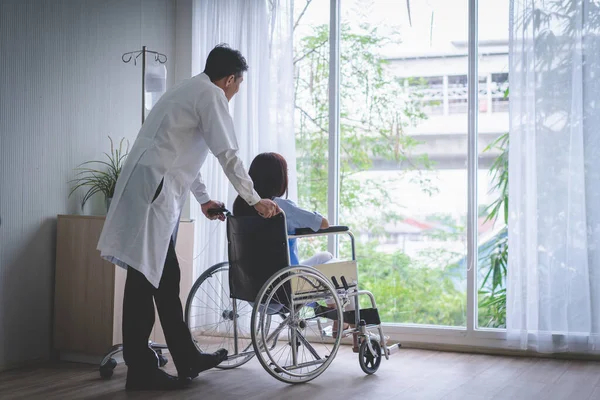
[88, 296]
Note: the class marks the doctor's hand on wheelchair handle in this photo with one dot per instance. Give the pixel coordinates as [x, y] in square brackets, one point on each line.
[267, 208]
[214, 210]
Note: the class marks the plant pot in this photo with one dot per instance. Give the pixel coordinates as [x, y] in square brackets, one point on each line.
[108, 200]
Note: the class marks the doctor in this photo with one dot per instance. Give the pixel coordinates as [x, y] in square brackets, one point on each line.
[139, 234]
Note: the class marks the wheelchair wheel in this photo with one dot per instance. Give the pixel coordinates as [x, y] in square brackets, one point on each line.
[217, 321]
[369, 363]
[290, 345]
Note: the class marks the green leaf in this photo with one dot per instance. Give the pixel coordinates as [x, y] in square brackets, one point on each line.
[98, 180]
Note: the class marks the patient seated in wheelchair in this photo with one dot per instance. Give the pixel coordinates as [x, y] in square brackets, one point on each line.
[269, 172]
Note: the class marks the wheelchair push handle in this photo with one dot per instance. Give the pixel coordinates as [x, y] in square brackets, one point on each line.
[217, 211]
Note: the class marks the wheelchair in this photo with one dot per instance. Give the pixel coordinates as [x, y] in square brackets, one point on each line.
[290, 317]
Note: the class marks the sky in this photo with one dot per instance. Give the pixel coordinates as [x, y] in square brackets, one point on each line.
[450, 19]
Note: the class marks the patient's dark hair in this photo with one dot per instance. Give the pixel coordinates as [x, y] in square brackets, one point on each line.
[269, 173]
[223, 61]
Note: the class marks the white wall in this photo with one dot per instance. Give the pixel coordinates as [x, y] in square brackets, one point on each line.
[63, 89]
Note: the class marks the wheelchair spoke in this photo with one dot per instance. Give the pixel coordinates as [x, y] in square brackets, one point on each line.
[210, 317]
[214, 291]
[302, 353]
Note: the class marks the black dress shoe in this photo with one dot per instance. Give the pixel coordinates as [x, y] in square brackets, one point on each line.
[206, 361]
[153, 379]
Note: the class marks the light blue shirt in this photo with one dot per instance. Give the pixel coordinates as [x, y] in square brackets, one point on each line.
[296, 218]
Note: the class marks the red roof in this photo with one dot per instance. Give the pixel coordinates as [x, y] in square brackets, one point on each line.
[418, 224]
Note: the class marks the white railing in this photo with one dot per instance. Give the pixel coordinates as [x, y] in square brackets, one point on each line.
[449, 98]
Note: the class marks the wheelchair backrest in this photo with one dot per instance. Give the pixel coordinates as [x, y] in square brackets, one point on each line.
[257, 248]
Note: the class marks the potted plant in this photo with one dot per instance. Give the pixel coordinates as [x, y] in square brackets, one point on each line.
[103, 178]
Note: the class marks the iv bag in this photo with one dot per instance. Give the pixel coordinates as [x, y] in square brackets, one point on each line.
[155, 83]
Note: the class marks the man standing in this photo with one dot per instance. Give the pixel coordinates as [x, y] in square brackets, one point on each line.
[141, 226]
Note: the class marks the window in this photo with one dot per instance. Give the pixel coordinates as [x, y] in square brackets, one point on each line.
[404, 156]
[407, 174]
[431, 91]
[499, 92]
[457, 94]
[492, 238]
[311, 72]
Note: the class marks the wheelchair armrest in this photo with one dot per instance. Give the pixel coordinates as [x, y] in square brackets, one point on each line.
[331, 229]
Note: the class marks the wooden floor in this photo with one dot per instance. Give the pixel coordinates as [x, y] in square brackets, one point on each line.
[409, 374]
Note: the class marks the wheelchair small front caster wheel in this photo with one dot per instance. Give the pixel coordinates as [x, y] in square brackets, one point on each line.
[162, 360]
[106, 370]
[369, 363]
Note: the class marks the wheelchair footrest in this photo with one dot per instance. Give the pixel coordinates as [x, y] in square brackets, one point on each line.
[325, 312]
[393, 348]
[369, 315]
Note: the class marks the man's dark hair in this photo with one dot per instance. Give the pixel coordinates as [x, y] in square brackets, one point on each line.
[223, 61]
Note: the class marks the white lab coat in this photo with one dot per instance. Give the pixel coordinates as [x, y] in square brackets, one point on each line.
[188, 121]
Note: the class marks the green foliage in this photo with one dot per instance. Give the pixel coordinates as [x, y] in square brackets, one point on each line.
[407, 292]
[493, 258]
[103, 178]
[376, 108]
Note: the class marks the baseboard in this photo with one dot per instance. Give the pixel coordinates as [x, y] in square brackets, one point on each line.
[85, 358]
[58, 357]
[454, 348]
[23, 364]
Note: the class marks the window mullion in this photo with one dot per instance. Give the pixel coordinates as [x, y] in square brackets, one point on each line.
[472, 156]
[333, 192]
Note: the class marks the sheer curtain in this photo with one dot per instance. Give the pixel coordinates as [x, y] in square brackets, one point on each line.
[553, 283]
[262, 110]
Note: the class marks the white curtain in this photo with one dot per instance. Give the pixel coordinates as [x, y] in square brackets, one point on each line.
[262, 110]
[553, 284]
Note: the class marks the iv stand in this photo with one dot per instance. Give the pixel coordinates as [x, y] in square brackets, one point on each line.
[108, 363]
[159, 57]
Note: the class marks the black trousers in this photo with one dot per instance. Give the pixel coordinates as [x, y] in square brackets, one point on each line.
[138, 318]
